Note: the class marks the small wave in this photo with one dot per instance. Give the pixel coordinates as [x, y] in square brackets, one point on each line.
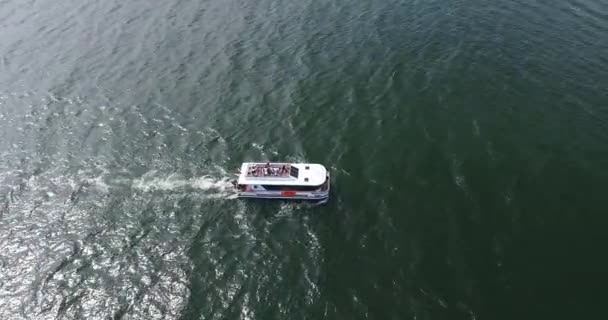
[97, 182]
[458, 176]
[476, 130]
[259, 147]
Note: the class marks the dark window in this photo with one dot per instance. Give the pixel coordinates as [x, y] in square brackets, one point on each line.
[273, 188]
[294, 172]
[307, 167]
[291, 188]
[306, 188]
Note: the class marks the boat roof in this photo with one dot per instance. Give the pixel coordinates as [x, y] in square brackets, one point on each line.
[285, 174]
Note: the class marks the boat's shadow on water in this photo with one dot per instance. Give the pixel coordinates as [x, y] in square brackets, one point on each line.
[269, 206]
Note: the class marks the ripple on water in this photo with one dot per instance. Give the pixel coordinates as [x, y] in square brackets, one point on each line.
[120, 119]
[89, 238]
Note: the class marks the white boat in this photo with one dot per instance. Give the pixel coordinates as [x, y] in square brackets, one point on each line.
[273, 180]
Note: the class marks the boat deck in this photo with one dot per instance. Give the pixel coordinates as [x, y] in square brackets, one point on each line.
[273, 170]
[282, 174]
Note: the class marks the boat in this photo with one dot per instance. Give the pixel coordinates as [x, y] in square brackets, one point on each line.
[274, 180]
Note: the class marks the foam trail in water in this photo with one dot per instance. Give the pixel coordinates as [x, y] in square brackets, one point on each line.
[55, 184]
[218, 187]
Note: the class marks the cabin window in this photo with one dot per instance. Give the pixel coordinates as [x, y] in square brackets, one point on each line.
[291, 188]
[307, 188]
[307, 168]
[294, 172]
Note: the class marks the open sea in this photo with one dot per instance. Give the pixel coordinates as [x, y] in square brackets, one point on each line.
[467, 143]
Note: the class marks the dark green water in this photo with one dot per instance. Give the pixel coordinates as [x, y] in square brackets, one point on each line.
[467, 140]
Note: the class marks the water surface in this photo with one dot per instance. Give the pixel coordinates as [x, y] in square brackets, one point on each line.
[467, 142]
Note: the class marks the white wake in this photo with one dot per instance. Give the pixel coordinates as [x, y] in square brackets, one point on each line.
[211, 186]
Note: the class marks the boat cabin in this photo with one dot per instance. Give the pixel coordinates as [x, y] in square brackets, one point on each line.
[297, 177]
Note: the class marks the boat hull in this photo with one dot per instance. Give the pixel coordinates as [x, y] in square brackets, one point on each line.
[301, 183]
[267, 195]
